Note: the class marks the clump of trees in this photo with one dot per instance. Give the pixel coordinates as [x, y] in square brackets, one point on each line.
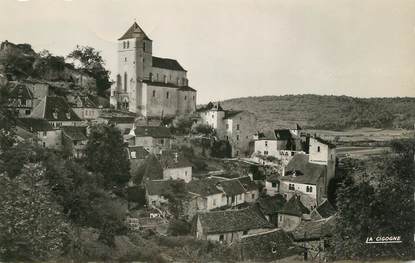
[377, 200]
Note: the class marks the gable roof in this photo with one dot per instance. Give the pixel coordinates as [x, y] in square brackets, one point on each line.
[325, 209]
[248, 184]
[20, 91]
[53, 108]
[232, 220]
[283, 134]
[152, 131]
[271, 204]
[232, 187]
[311, 172]
[294, 207]
[83, 102]
[314, 230]
[167, 63]
[75, 133]
[32, 124]
[140, 151]
[321, 140]
[134, 31]
[203, 187]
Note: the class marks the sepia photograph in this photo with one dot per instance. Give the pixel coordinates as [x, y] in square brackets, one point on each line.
[200, 131]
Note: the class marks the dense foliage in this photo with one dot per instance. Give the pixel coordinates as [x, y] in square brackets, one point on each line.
[105, 155]
[377, 201]
[328, 112]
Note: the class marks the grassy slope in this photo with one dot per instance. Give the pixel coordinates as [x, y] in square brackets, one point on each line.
[327, 112]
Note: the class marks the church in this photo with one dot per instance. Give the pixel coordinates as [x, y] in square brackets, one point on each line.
[147, 85]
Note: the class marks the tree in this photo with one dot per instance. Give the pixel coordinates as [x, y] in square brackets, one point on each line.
[7, 120]
[106, 155]
[203, 129]
[32, 225]
[153, 170]
[91, 61]
[377, 200]
[182, 125]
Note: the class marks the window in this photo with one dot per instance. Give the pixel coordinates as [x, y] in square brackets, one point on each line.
[227, 126]
[253, 196]
[185, 97]
[125, 81]
[213, 116]
[309, 189]
[167, 95]
[133, 155]
[214, 202]
[45, 133]
[265, 152]
[237, 127]
[125, 59]
[123, 44]
[154, 93]
[291, 187]
[245, 233]
[280, 218]
[318, 148]
[27, 112]
[221, 238]
[128, 44]
[165, 79]
[292, 153]
[266, 143]
[144, 46]
[237, 137]
[150, 76]
[44, 144]
[274, 185]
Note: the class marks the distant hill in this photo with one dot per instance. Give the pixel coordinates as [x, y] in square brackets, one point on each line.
[327, 112]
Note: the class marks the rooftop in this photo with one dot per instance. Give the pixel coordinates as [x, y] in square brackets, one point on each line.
[306, 172]
[203, 187]
[75, 133]
[271, 204]
[171, 160]
[167, 63]
[152, 131]
[294, 207]
[134, 31]
[170, 85]
[232, 221]
[32, 124]
[314, 230]
[54, 108]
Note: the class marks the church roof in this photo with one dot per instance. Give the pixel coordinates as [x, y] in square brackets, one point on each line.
[167, 63]
[133, 32]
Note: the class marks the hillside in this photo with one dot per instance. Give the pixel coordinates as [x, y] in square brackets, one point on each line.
[328, 112]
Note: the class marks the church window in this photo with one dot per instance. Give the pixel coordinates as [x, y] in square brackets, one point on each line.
[125, 81]
[167, 95]
[154, 93]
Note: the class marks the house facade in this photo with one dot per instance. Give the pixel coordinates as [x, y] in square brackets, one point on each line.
[147, 85]
[46, 136]
[236, 127]
[176, 167]
[230, 225]
[153, 139]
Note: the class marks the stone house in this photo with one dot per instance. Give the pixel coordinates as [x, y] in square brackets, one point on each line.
[302, 176]
[153, 139]
[292, 213]
[147, 85]
[272, 185]
[176, 167]
[206, 195]
[251, 189]
[74, 140]
[234, 191]
[323, 152]
[236, 127]
[45, 134]
[21, 99]
[270, 206]
[156, 191]
[136, 155]
[230, 225]
[57, 112]
[84, 107]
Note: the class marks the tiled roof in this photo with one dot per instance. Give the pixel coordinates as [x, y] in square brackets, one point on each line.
[314, 230]
[133, 32]
[169, 85]
[232, 187]
[53, 108]
[232, 221]
[120, 119]
[203, 187]
[21, 91]
[294, 207]
[283, 134]
[311, 172]
[75, 133]
[167, 63]
[267, 246]
[325, 209]
[267, 135]
[83, 102]
[32, 124]
[271, 204]
[152, 131]
[248, 184]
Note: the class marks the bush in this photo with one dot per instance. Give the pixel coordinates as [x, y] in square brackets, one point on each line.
[179, 228]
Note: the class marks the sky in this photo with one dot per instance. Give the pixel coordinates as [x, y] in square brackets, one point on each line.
[240, 48]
